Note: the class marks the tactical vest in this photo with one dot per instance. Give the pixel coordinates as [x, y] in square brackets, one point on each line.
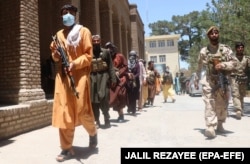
[242, 71]
[98, 64]
[214, 59]
[151, 77]
[167, 78]
[241, 67]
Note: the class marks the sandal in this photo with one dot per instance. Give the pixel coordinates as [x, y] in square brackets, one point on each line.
[65, 155]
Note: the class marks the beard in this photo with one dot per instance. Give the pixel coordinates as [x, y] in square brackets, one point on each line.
[214, 41]
[96, 50]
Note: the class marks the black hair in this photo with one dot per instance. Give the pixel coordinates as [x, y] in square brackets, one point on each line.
[68, 7]
[238, 44]
[150, 62]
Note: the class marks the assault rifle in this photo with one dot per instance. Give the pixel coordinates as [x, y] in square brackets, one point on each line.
[65, 64]
[222, 79]
[223, 82]
[241, 79]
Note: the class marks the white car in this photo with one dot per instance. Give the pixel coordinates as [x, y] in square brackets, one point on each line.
[191, 87]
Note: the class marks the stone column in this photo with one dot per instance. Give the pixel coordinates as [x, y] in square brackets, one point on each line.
[106, 25]
[117, 35]
[19, 50]
[89, 15]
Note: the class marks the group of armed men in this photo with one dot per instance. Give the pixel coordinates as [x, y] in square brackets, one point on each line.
[100, 78]
[118, 82]
[226, 78]
[131, 84]
[112, 81]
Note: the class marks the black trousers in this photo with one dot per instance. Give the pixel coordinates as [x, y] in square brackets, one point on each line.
[104, 106]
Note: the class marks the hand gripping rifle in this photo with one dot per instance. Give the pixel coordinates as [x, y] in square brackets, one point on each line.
[222, 84]
[222, 80]
[65, 64]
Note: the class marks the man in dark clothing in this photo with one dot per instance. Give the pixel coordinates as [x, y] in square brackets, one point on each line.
[134, 82]
[102, 78]
[183, 83]
[118, 94]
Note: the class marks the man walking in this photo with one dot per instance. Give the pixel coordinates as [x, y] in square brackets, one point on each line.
[71, 110]
[218, 61]
[239, 79]
[167, 85]
[102, 78]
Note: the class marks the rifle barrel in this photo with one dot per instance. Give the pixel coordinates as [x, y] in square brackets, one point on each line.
[65, 64]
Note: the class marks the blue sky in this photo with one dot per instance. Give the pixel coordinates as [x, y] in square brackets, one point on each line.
[154, 10]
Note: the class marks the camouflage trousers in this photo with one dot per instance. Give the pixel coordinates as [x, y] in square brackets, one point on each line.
[238, 94]
[216, 104]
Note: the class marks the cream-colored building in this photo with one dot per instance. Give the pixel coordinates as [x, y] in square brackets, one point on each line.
[163, 50]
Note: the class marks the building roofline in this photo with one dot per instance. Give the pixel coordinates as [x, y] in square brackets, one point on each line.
[162, 36]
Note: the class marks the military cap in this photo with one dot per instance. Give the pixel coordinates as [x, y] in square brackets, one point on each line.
[212, 28]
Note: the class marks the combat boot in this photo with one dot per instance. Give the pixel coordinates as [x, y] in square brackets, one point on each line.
[209, 132]
[238, 115]
[220, 127]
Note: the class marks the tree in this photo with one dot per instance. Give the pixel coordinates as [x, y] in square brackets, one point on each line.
[233, 19]
[231, 16]
[188, 28]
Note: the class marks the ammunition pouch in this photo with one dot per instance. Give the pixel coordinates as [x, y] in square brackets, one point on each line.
[98, 65]
[241, 79]
[167, 80]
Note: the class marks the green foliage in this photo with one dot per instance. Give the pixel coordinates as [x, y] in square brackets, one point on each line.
[231, 16]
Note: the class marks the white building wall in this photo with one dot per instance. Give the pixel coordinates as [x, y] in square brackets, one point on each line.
[171, 52]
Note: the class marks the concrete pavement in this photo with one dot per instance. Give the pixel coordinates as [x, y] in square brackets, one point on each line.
[179, 124]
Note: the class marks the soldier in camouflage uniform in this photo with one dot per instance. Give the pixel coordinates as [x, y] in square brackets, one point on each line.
[239, 79]
[218, 61]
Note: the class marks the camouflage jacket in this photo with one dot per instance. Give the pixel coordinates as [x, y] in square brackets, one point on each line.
[207, 57]
[242, 66]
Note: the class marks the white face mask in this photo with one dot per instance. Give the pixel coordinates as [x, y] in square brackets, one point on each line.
[68, 19]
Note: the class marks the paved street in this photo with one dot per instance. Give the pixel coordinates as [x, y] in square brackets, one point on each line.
[179, 124]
